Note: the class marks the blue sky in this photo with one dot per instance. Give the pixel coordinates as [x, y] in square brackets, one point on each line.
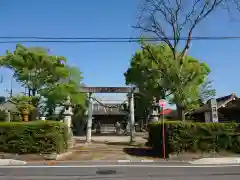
[103, 64]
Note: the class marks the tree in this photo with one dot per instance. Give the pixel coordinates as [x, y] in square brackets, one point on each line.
[34, 68]
[206, 91]
[48, 78]
[179, 18]
[56, 93]
[172, 21]
[156, 74]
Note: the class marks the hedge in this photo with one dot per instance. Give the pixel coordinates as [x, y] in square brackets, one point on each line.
[33, 137]
[193, 137]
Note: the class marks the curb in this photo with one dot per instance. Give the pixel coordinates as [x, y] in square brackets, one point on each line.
[11, 162]
[203, 161]
[54, 162]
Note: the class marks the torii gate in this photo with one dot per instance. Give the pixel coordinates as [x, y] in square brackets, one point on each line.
[91, 90]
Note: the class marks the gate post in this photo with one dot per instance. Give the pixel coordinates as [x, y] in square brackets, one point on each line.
[89, 121]
[132, 118]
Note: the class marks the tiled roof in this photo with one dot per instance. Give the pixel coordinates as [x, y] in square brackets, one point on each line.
[100, 110]
[220, 103]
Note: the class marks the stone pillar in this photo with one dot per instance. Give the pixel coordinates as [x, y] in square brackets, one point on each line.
[89, 121]
[132, 119]
[214, 110]
[8, 116]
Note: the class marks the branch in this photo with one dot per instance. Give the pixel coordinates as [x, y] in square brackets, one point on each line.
[202, 15]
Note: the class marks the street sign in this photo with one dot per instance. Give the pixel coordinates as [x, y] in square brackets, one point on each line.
[162, 103]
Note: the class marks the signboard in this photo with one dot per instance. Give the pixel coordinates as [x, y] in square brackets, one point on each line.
[214, 111]
[162, 103]
[108, 89]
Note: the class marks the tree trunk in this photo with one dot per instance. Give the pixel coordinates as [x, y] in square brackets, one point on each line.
[29, 92]
[33, 92]
[181, 114]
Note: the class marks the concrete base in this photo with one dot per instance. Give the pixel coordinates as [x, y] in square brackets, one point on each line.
[229, 160]
[35, 157]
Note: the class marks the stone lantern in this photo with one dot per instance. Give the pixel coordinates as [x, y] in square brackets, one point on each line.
[25, 113]
[154, 112]
[68, 119]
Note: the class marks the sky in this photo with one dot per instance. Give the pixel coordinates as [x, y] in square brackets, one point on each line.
[103, 64]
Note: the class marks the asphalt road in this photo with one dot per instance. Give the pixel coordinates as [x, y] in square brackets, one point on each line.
[120, 172]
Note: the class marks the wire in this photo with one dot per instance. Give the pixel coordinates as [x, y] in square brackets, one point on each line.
[115, 38]
[103, 40]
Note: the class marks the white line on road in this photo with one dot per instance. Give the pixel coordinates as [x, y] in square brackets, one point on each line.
[147, 160]
[124, 161]
[126, 165]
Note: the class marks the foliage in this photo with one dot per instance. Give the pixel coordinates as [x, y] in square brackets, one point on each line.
[34, 68]
[156, 73]
[47, 77]
[33, 137]
[190, 136]
[207, 91]
[22, 102]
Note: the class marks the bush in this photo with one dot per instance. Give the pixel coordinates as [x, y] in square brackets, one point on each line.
[193, 137]
[33, 137]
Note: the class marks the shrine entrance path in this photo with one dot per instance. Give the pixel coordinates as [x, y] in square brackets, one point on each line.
[108, 148]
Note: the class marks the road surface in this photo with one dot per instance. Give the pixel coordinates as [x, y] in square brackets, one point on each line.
[120, 172]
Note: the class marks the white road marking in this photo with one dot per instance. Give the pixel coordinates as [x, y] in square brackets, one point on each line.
[147, 160]
[124, 161]
[126, 165]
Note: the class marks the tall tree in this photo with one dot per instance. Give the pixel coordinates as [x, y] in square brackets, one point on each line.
[156, 74]
[171, 20]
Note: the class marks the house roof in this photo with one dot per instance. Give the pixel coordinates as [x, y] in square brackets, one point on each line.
[221, 102]
[9, 106]
[100, 110]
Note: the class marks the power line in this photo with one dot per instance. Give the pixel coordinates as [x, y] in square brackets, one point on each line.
[103, 40]
[115, 38]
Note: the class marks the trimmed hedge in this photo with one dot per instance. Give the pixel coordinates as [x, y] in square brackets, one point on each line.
[33, 137]
[193, 137]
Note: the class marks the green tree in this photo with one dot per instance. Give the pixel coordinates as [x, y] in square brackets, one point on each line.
[34, 68]
[156, 73]
[47, 77]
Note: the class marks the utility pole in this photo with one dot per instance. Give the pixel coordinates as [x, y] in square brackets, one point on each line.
[89, 121]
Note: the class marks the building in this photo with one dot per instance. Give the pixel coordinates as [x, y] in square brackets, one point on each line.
[107, 116]
[227, 110]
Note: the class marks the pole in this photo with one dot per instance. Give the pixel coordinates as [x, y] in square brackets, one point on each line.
[89, 121]
[163, 136]
[132, 118]
[11, 90]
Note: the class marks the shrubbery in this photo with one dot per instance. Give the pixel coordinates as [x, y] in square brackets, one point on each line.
[193, 137]
[33, 137]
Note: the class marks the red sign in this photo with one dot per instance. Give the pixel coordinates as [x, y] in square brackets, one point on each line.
[165, 111]
[162, 103]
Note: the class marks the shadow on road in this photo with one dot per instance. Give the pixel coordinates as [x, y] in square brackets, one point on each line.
[142, 152]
